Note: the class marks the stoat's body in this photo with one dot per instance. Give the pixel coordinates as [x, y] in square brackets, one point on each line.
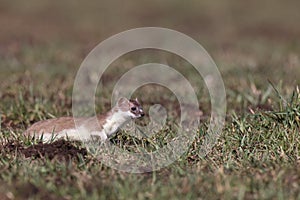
[101, 126]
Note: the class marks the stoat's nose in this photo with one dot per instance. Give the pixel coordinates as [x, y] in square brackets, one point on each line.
[142, 113]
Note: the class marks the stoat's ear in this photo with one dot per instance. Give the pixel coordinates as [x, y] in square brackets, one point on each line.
[136, 99]
[122, 101]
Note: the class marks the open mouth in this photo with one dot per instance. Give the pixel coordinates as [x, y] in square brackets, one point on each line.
[139, 116]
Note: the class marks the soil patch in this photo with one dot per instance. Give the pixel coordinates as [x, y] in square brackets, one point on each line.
[61, 149]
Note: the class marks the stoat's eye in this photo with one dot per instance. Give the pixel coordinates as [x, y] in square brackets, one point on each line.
[133, 108]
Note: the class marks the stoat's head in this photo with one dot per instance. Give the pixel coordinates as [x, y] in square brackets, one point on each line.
[132, 107]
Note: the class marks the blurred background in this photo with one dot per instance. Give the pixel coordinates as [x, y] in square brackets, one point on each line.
[216, 24]
[251, 41]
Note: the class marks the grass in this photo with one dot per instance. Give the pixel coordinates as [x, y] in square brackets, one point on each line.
[257, 154]
[256, 157]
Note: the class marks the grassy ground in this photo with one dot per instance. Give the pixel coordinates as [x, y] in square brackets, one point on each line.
[256, 47]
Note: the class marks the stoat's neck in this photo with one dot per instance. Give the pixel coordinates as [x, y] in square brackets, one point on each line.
[114, 120]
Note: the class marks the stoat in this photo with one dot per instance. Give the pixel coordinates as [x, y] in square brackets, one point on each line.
[86, 128]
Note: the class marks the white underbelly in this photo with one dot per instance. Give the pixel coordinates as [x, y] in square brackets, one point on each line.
[80, 133]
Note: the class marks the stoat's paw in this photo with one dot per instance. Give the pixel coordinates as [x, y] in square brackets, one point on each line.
[99, 134]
